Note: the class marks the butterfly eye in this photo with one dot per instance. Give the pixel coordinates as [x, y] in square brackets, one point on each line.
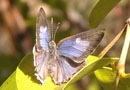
[52, 44]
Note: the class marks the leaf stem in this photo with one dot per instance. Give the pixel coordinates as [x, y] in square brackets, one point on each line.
[121, 63]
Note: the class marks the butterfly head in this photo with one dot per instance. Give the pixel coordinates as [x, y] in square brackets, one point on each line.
[52, 47]
[52, 44]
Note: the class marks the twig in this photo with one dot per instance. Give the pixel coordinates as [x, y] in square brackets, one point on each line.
[121, 63]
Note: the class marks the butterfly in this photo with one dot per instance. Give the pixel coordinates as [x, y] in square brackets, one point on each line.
[63, 60]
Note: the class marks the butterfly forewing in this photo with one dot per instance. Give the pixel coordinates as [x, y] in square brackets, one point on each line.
[79, 46]
[42, 31]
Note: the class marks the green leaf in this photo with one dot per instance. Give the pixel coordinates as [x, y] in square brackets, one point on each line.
[26, 80]
[93, 64]
[100, 10]
[106, 77]
[10, 83]
[73, 87]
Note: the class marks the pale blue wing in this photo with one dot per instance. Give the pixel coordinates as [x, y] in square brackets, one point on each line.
[44, 37]
[42, 31]
[40, 64]
[79, 46]
[65, 69]
[73, 48]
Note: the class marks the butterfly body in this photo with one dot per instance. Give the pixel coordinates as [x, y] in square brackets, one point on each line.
[52, 48]
[63, 60]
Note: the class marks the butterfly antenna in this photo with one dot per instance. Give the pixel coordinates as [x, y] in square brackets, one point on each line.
[52, 30]
[56, 29]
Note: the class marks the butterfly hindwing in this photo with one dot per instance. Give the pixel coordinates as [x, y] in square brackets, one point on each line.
[66, 68]
[40, 64]
[79, 46]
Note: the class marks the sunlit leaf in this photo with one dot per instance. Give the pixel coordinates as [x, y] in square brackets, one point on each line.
[26, 80]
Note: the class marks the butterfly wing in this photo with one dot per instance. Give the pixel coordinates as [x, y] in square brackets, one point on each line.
[41, 46]
[65, 69]
[42, 31]
[72, 52]
[79, 46]
[40, 62]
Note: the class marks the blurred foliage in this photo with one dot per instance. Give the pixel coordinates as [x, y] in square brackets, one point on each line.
[95, 19]
[18, 22]
[7, 66]
[23, 8]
